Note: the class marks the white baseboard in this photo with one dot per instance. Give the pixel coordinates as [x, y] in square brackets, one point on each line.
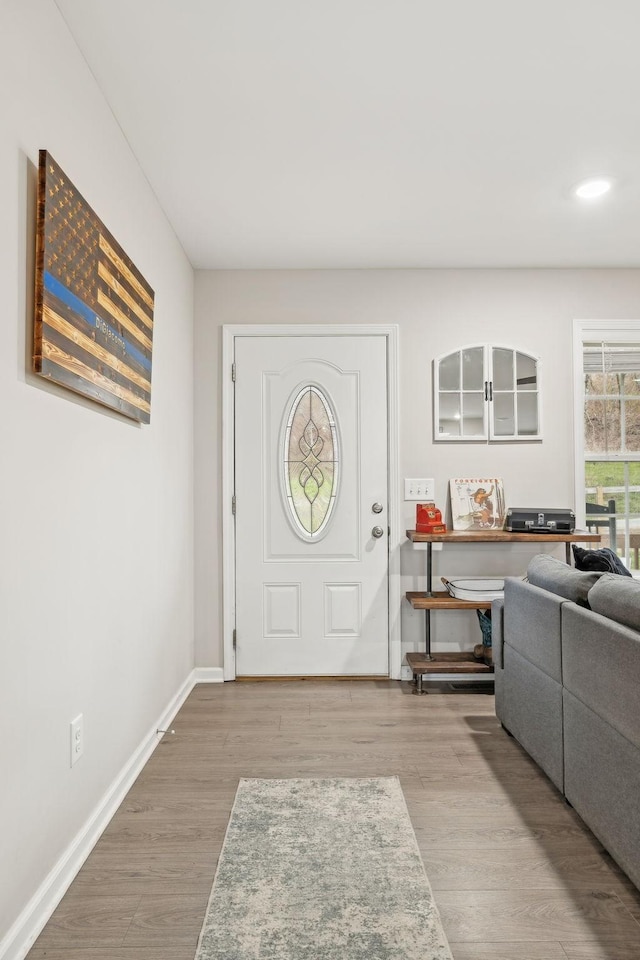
[30, 923]
[208, 675]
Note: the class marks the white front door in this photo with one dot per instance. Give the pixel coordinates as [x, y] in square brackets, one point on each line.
[311, 466]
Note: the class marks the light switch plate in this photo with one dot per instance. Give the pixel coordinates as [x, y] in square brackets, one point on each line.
[420, 490]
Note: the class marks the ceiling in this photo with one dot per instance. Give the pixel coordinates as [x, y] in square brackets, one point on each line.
[378, 133]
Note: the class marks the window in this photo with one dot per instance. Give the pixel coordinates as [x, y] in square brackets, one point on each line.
[608, 468]
[486, 393]
[310, 462]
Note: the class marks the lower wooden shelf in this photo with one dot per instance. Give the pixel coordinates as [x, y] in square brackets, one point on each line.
[445, 663]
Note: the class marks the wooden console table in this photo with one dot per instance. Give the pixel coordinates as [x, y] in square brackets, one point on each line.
[464, 663]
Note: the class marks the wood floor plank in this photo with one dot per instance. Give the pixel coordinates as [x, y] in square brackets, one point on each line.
[220, 728]
[506, 774]
[484, 915]
[522, 866]
[601, 951]
[487, 792]
[153, 805]
[155, 833]
[415, 710]
[167, 920]
[292, 691]
[206, 722]
[109, 875]
[488, 837]
[101, 922]
[515, 872]
[277, 743]
[214, 709]
[630, 896]
[466, 816]
[291, 751]
[490, 831]
[336, 739]
[508, 951]
[175, 951]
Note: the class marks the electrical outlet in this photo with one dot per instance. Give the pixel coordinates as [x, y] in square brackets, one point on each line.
[77, 739]
[420, 490]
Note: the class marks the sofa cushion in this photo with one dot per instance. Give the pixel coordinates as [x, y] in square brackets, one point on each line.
[604, 560]
[617, 598]
[532, 713]
[601, 667]
[557, 577]
[601, 775]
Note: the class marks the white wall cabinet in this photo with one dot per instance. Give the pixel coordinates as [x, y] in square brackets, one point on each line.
[486, 393]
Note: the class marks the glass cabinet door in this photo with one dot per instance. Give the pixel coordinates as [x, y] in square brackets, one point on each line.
[460, 403]
[514, 395]
[527, 396]
[486, 393]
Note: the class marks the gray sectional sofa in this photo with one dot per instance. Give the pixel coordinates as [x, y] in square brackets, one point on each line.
[566, 647]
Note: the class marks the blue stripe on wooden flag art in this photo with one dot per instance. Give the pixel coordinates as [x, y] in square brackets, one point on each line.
[94, 310]
[59, 290]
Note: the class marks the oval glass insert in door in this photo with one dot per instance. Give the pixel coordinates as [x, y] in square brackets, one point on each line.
[310, 461]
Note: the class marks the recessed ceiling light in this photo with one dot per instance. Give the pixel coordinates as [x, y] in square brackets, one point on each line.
[591, 189]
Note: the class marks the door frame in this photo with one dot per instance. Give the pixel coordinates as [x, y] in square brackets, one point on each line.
[229, 334]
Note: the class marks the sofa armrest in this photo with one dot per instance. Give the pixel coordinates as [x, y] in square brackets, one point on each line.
[497, 633]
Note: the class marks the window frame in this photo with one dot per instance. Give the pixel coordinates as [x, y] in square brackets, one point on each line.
[489, 433]
[608, 331]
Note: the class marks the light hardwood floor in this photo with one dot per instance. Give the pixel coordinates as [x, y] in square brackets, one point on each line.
[515, 873]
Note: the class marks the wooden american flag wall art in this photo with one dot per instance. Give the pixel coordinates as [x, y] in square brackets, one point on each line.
[94, 310]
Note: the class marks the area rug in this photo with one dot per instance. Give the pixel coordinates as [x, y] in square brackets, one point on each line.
[321, 870]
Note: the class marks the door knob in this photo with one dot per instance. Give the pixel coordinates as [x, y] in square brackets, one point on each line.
[377, 532]
[377, 508]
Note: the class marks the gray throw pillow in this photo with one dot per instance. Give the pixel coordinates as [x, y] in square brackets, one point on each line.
[557, 577]
[618, 598]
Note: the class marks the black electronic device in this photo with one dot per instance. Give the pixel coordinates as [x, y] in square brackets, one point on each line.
[531, 520]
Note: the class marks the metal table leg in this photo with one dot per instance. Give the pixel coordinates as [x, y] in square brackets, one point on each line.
[427, 635]
[427, 613]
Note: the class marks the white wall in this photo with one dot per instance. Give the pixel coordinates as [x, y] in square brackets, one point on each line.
[437, 311]
[96, 512]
